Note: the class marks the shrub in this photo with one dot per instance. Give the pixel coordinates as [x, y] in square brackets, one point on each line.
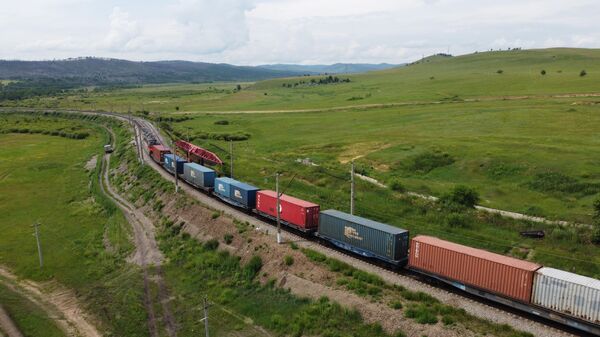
[253, 266]
[557, 182]
[397, 186]
[396, 305]
[457, 220]
[215, 215]
[294, 246]
[499, 71]
[597, 209]
[222, 122]
[211, 244]
[228, 238]
[288, 260]
[447, 320]
[543, 72]
[422, 314]
[428, 161]
[582, 73]
[462, 196]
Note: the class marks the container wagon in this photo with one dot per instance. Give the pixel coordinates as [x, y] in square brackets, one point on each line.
[173, 163]
[465, 267]
[157, 153]
[293, 212]
[236, 192]
[569, 294]
[199, 176]
[364, 237]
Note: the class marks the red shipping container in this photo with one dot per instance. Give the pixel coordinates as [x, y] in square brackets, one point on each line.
[296, 212]
[498, 274]
[157, 152]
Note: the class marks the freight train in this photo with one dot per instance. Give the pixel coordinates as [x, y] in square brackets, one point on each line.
[569, 299]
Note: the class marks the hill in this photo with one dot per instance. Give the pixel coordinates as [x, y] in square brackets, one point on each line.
[95, 71]
[337, 68]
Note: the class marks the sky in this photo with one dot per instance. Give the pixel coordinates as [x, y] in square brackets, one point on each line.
[252, 32]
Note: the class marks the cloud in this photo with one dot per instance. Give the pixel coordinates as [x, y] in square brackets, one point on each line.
[122, 31]
[299, 31]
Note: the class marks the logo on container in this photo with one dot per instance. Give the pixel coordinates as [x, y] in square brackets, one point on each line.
[193, 173]
[221, 188]
[417, 246]
[351, 233]
[237, 194]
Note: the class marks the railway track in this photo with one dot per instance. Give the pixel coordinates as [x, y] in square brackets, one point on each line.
[476, 306]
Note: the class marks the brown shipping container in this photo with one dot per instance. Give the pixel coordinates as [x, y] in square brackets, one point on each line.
[498, 274]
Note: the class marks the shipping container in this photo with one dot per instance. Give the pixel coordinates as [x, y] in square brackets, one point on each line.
[198, 175]
[363, 236]
[236, 192]
[157, 152]
[293, 212]
[568, 293]
[172, 161]
[495, 273]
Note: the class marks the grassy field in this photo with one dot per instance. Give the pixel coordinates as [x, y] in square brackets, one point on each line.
[472, 76]
[42, 178]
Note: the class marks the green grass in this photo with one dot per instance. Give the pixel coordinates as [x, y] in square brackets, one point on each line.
[31, 320]
[43, 179]
[437, 79]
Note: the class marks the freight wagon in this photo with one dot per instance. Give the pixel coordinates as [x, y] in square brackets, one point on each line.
[293, 212]
[157, 153]
[199, 176]
[236, 192]
[173, 163]
[364, 237]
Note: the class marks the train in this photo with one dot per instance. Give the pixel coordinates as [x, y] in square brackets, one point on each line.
[560, 296]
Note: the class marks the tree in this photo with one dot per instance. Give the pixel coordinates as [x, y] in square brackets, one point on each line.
[582, 73]
[543, 72]
[238, 87]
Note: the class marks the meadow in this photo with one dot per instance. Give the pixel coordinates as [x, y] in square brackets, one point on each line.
[43, 179]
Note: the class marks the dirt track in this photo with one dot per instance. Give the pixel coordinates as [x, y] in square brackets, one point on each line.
[60, 304]
[7, 325]
[147, 254]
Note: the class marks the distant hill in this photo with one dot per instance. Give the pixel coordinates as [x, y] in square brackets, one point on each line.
[337, 68]
[97, 71]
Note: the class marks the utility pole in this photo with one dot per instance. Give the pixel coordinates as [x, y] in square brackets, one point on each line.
[352, 189]
[231, 158]
[279, 239]
[39, 246]
[174, 163]
[205, 319]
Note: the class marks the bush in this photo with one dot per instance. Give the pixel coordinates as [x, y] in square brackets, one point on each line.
[557, 182]
[462, 196]
[428, 161]
[500, 71]
[222, 122]
[396, 305]
[228, 238]
[597, 209]
[457, 220]
[447, 320]
[294, 246]
[253, 266]
[288, 260]
[422, 314]
[543, 72]
[397, 186]
[211, 244]
[215, 215]
[582, 73]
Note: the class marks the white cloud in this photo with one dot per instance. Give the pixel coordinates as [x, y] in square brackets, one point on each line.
[299, 31]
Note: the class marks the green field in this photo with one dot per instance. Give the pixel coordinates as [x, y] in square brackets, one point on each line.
[42, 178]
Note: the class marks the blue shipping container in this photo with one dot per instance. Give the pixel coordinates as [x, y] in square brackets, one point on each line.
[198, 175]
[236, 192]
[171, 161]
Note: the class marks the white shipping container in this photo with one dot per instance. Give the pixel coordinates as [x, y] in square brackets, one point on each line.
[568, 293]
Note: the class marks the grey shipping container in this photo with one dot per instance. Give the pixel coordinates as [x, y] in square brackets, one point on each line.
[199, 175]
[568, 293]
[171, 161]
[363, 236]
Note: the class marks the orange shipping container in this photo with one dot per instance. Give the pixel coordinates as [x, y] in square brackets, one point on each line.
[498, 274]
